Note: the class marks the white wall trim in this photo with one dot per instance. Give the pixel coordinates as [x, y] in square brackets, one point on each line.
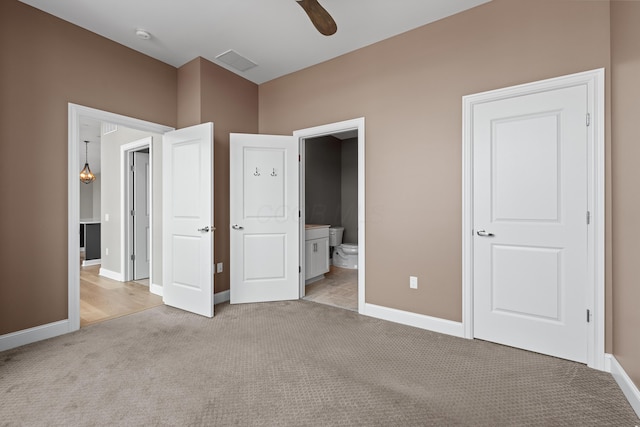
[323, 130]
[75, 113]
[156, 289]
[89, 262]
[408, 318]
[627, 386]
[594, 80]
[110, 274]
[31, 335]
[220, 297]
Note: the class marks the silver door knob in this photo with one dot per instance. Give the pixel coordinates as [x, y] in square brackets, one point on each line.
[237, 227]
[484, 233]
[205, 229]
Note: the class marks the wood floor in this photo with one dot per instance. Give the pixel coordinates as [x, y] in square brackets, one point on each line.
[102, 299]
[339, 288]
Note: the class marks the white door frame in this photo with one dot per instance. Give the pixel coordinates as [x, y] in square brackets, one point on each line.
[75, 113]
[324, 130]
[594, 80]
[126, 188]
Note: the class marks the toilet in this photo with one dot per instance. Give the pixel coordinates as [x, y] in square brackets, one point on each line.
[344, 255]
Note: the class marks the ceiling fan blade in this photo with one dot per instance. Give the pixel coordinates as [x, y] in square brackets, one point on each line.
[319, 17]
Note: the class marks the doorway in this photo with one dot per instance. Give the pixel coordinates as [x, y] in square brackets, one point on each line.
[111, 287]
[336, 288]
[331, 199]
[517, 131]
[137, 201]
[109, 274]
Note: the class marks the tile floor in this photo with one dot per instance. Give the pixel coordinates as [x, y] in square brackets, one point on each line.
[339, 288]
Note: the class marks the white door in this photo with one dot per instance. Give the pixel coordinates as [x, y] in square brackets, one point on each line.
[142, 212]
[530, 222]
[264, 216]
[187, 216]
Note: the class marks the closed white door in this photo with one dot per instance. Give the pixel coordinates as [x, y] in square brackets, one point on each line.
[530, 222]
[142, 213]
[187, 216]
[264, 215]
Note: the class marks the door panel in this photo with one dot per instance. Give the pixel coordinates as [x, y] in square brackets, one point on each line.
[525, 171]
[188, 219]
[264, 218]
[530, 205]
[526, 282]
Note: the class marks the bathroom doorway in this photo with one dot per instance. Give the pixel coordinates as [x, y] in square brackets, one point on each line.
[332, 214]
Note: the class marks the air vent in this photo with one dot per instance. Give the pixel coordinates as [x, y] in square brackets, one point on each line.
[108, 128]
[235, 60]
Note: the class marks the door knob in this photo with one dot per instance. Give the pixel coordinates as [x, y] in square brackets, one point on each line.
[237, 227]
[205, 229]
[484, 233]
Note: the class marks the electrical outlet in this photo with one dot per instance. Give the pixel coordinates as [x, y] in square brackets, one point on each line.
[413, 282]
[219, 267]
[106, 251]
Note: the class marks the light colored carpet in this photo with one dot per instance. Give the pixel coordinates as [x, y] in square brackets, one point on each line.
[293, 364]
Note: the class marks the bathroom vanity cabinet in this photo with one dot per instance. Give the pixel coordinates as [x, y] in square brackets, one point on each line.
[316, 252]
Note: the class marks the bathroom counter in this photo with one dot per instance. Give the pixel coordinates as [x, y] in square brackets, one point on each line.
[312, 226]
[316, 252]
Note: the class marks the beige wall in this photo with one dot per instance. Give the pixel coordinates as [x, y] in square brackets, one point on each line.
[625, 111]
[209, 93]
[409, 89]
[45, 63]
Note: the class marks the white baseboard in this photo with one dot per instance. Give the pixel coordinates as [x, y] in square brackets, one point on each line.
[31, 335]
[313, 279]
[156, 289]
[219, 297]
[89, 262]
[111, 275]
[50, 330]
[422, 321]
[625, 383]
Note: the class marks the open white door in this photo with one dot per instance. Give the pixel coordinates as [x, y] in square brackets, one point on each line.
[141, 215]
[264, 216]
[187, 217]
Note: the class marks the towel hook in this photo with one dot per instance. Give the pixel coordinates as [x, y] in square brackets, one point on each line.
[256, 173]
[274, 172]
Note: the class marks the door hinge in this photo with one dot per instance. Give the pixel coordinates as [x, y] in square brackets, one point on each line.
[299, 269]
[132, 168]
[133, 257]
[299, 214]
[588, 119]
[588, 315]
[299, 157]
[588, 217]
[133, 212]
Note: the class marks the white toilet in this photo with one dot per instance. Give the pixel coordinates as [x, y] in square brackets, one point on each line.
[345, 255]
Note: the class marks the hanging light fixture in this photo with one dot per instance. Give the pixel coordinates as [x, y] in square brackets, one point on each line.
[86, 176]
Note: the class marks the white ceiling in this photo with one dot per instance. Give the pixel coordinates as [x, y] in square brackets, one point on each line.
[275, 34]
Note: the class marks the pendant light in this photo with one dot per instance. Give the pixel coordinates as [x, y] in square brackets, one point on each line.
[86, 176]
